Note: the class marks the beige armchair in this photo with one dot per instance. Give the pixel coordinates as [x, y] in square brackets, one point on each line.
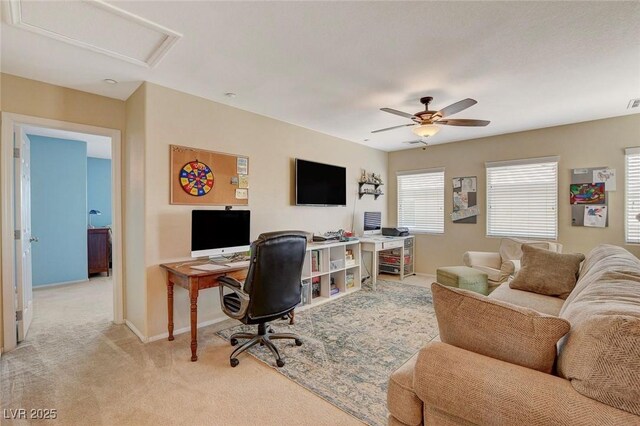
[499, 266]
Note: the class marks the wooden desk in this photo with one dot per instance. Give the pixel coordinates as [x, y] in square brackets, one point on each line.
[376, 244]
[194, 280]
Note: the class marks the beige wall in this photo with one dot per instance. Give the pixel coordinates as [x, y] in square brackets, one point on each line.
[178, 118]
[589, 144]
[135, 302]
[29, 97]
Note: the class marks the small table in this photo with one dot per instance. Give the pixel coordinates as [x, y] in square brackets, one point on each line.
[376, 244]
[194, 280]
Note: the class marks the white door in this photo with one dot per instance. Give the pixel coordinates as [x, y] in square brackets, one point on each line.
[24, 290]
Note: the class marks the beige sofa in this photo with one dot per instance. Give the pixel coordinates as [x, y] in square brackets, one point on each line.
[597, 375]
[500, 265]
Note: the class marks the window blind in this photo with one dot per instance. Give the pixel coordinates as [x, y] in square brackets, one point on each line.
[522, 198]
[421, 200]
[632, 195]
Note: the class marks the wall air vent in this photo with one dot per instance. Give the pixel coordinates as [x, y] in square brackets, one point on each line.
[97, 26]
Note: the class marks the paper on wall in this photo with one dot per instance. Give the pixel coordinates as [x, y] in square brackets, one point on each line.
[463, 214]
[468, 184]
[243, 165]
[457, 182]
[595, 216]
[608, 176]
[242, 194]
[243, 181]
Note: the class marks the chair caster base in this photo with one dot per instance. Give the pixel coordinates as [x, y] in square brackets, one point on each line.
[298, 342]
[233, 342]
[234, 362]
[280, 363]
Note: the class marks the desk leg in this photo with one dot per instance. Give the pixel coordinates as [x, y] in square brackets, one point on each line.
[170, 308]
[374, 267]
[193, 295]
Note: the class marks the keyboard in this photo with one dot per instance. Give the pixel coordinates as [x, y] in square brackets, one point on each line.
[240, 264]
[209, 267]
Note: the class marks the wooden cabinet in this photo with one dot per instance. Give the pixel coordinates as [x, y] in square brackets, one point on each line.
[99, 250]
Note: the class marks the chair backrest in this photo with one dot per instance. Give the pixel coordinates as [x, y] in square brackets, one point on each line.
[511, 248]
[274, 278]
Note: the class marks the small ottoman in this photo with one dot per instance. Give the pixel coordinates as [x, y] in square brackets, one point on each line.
[463, 277]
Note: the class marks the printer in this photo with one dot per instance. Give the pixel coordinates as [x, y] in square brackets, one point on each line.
[399, 231]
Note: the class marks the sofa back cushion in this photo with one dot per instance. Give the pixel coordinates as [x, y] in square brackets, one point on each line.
[602, 259]
[511, 248]
[497, 329]
[601, 353]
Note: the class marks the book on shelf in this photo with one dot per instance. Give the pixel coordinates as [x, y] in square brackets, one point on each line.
[315, 260]
[335, 290]
[315, 287]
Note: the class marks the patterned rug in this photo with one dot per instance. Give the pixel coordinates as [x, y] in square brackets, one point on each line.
[353, 344]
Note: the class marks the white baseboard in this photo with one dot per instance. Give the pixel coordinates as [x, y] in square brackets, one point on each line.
[135, 330]
[38, 287]
[185, 329]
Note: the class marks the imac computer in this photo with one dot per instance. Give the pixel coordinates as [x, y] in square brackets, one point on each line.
[372, 223]
[219, 232]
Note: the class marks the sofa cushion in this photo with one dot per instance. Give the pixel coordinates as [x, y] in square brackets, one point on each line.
[538, 302]
[602, 259]
[402, 402]
[601, 354]
[497, 329]
[492, 274]
[545, 272]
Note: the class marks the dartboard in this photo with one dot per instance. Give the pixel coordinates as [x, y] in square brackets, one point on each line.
[196, 178]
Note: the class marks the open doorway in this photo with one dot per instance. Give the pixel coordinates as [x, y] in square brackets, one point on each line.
[65, 198]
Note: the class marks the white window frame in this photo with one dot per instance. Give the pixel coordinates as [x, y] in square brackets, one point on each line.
[437, 195]
[553, 235]
[631, 201]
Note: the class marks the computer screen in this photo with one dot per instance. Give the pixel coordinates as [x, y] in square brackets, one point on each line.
[219, 232]
[372, 222]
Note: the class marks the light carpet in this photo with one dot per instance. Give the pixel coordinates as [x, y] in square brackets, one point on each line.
[96, 373]
[353, 344]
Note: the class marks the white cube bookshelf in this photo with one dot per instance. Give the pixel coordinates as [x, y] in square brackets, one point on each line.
[337, 262]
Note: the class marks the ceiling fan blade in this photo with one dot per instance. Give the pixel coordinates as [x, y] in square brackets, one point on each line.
[464, 122]
[394, 127]
[456, 108]
[414, 142]
[400, 113]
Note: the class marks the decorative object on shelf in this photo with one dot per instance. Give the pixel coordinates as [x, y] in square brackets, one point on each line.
[196, 178]
[465, 208]
[370, 179]
[192, 172]
[91, 213]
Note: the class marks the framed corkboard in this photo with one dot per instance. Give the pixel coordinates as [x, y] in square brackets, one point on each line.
[201, 177]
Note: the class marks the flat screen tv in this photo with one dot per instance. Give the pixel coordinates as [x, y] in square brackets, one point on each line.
[320, 184]
[219, 232]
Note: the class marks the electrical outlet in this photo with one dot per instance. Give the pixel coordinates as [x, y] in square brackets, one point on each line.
[634, 103]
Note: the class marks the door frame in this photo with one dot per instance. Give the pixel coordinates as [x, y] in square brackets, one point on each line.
[8, 122]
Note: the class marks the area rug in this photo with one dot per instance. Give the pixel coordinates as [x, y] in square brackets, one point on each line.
[352, 345]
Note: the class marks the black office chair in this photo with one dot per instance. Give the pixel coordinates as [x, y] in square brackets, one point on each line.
[271, 290]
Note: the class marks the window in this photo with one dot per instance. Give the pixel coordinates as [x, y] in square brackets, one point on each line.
[632, 195]
[421, 200]
[522, 198]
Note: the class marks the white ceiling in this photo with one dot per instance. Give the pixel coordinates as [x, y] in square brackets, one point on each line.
[97, 146]
[330, 66]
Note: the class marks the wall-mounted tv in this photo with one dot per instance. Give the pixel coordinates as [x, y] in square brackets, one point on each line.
[320, 184]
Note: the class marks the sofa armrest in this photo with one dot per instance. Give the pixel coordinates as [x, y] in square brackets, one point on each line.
[469, 387]
[509, 268]
[482, 258]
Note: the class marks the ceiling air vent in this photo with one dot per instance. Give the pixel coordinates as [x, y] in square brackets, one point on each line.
[634, 103]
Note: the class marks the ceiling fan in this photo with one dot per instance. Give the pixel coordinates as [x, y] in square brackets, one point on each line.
[425, 123]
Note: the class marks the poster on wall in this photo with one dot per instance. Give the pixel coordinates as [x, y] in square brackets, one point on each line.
[465, 209]
[587, 193]
[595, 216]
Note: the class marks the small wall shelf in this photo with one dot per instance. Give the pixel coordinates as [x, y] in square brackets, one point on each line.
[377, 191]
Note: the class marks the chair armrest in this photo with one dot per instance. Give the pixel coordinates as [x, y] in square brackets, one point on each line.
[482, 258]
[236, 287]
[474, 388]
[509, 268]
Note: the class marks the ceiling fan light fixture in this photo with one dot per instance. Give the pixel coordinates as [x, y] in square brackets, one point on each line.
[426, 130]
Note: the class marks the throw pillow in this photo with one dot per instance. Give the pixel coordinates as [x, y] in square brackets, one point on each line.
[497, 329]
[546, 272]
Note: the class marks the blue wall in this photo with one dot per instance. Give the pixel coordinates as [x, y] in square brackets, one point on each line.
[99, 190]
[58, 210]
